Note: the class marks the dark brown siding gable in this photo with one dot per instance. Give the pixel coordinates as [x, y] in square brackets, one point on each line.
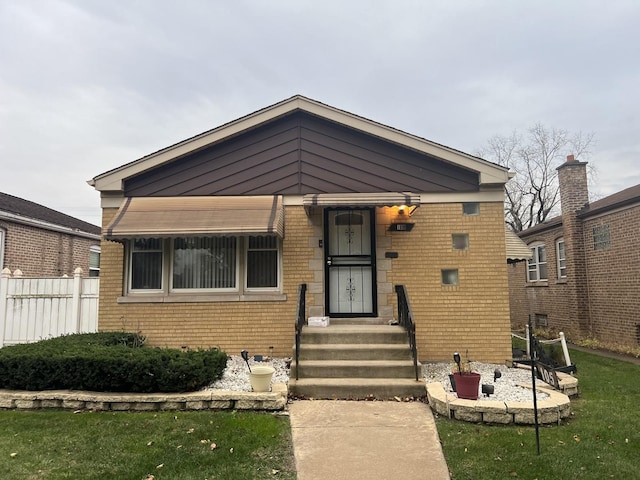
[300, 154]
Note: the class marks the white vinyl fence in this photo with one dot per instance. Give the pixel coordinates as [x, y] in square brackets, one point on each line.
[33, 309]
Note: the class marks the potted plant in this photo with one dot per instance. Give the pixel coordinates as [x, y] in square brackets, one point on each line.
[465, 382]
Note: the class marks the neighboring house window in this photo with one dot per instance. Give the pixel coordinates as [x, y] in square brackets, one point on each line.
[199, 264]
[450, 277]
[541, 320]
[94, 261]
[2, 236]
[561, 257]
[460, 241]
[471, 208]
[601, 237]
[538, 263]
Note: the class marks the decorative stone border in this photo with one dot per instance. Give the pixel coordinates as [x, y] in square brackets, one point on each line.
[107, 401]
[550, 410]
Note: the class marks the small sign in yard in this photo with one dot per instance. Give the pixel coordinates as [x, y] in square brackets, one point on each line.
[548, 374]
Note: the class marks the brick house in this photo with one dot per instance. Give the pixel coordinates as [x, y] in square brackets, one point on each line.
[583, 277]
[206, 241]
[41, 242]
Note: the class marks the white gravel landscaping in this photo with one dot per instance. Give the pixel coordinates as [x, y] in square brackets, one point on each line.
[506, 388]
[236, 375]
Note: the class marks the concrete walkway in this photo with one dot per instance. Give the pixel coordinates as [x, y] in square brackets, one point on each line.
[365, 440]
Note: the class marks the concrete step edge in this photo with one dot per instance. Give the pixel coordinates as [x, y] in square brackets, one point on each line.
[356, 363]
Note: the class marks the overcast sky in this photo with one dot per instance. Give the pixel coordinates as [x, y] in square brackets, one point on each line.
[89, 85]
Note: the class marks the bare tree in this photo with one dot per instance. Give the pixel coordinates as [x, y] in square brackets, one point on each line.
[533, 194]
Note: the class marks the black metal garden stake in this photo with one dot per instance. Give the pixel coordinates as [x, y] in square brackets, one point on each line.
[533, 384]
[245, 356]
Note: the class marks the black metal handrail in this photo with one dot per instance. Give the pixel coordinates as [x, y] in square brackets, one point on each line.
[405, 319]
[300, 320]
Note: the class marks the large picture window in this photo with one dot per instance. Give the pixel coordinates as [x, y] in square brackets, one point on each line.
[537, 264]
[204, 264]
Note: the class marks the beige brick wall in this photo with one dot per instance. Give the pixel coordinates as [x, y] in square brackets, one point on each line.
[43, 253]
[473, 316]
[232, 326]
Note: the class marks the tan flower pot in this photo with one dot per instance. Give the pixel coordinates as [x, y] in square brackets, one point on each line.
[260, 377]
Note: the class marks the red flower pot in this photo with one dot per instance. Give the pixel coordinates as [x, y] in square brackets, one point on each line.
[467, 385]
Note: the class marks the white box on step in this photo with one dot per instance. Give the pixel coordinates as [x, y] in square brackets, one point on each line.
[318, 321]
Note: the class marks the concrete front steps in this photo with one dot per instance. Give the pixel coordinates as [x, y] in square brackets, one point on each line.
[347, 361]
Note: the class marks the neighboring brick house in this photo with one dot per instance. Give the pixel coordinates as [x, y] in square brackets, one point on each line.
[206, 241]
[584, 276]
[41, 242]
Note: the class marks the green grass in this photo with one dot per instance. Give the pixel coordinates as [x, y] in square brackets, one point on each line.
[600, 440]
[123, 445]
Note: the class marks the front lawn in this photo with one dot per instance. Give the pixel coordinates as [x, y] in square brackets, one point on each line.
[600, 440]
[171, 445]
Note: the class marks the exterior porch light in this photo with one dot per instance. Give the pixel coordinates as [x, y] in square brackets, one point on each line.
[401, 222]
[406, 211]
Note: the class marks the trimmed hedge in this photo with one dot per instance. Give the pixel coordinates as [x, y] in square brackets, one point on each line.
[107, 362]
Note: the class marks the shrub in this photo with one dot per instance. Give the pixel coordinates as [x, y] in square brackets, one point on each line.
[109, 361]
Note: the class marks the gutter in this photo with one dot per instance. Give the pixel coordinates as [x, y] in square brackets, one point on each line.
[32, 222]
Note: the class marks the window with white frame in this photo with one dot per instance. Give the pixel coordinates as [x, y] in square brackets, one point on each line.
[94, 261]
[561, 258]
[537, 264]
[2, 237]
[205, 264]
[145, 272]
[261, 266]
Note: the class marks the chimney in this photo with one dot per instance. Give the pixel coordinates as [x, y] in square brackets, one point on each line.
[572, 177]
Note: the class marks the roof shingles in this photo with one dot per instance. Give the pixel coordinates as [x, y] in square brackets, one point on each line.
[628, 196]
[25, 208]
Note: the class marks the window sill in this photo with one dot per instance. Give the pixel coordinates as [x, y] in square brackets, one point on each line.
[543, 283]
[561, 281]
[205, 298]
